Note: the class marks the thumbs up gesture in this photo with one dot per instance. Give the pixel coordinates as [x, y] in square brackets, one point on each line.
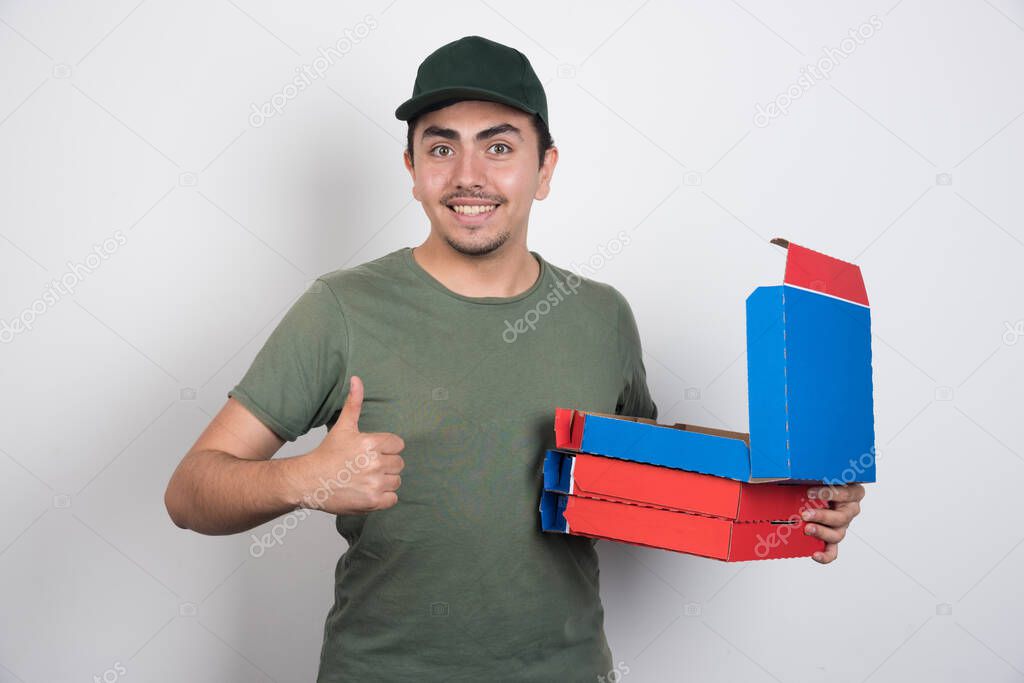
[351, 472]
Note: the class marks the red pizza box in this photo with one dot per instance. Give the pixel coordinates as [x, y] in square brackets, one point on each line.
[594, 476]
[712, 537]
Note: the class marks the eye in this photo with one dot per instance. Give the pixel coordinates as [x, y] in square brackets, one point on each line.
[501, 144]
[438, 147]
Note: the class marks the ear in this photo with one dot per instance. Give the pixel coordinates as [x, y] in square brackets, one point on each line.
[407, 160]
[546, 171]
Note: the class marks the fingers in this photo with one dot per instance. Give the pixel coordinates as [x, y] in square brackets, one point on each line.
[838, 494]
[392, 464]
[391, 482]
[842, 515]
[830, 524]
[348, 420]
[385, 500]
[826, 533]
[386, 442]
[831, 553]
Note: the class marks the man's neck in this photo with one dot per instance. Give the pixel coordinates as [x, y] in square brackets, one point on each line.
[506, 272]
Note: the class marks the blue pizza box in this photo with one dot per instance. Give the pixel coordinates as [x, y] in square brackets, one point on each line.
[810, 402]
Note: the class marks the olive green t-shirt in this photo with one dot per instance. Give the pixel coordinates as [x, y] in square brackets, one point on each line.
[456, 581]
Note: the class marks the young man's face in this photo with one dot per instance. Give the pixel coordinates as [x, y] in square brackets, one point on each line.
[476, 171]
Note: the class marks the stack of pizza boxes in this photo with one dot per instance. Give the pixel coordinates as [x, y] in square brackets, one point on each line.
[728, 495]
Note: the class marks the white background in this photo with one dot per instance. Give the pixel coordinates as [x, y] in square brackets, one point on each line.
[135, 117]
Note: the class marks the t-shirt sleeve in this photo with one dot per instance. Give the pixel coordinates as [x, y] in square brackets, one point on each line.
[635, 399]
[299, 375]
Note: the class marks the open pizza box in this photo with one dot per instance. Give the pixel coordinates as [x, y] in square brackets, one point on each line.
[809, 390]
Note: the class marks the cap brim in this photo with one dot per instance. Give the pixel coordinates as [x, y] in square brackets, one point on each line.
[413, 106]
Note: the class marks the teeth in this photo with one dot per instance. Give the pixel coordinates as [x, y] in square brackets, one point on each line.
[473, 210]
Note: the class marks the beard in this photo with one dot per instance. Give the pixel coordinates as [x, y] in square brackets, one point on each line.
[479, 249]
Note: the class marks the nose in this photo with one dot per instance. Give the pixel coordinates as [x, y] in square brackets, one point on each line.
[470, 172]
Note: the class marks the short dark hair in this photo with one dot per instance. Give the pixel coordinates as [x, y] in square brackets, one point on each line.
[544, 140]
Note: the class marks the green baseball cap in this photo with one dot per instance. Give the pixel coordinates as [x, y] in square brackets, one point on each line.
[475, 68]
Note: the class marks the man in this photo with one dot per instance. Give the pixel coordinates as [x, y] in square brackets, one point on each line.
[437, 370]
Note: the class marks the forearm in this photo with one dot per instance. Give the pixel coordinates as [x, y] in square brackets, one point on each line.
[216, 493]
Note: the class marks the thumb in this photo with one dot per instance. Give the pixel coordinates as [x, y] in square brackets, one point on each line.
[349, 418]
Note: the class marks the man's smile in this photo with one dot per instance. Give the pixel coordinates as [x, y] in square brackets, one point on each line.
[472, 211]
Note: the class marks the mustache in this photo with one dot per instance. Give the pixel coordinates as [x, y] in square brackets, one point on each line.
[496, 200]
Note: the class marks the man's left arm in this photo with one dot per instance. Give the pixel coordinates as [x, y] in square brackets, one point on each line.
[635, 399]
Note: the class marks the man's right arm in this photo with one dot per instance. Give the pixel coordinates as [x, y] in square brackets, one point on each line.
[228, 481]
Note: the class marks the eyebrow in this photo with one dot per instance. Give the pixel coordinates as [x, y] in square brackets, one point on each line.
[450, 134]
